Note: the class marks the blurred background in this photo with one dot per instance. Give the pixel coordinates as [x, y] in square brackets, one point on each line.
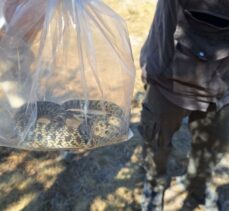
[104, 179]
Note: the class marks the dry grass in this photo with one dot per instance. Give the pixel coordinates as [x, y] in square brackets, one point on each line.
[104, 179]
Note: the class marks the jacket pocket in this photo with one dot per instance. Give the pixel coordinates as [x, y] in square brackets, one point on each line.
[207, 20]
[197, 69]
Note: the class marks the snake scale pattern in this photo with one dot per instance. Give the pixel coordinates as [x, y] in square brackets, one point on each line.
[102, 125]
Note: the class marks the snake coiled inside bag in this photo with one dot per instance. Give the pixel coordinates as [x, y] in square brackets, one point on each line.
[67, 75]
[102, 125]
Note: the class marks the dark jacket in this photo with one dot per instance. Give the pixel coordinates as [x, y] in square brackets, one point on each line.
[187, 52]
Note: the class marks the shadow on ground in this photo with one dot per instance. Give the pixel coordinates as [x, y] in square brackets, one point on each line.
[103, 179]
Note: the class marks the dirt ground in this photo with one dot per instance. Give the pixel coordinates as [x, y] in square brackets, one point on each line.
[104, 179]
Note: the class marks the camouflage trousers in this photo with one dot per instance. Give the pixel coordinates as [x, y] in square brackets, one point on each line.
[160, 119]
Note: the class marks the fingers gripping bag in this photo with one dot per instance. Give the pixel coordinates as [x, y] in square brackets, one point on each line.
[66, 75]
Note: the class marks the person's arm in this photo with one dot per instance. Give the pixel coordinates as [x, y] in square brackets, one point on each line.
[24, 17]
[158, 49]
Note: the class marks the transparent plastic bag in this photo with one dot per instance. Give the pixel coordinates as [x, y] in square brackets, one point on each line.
[66, 75]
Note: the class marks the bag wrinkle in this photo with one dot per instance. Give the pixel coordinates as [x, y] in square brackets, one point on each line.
[61, 54]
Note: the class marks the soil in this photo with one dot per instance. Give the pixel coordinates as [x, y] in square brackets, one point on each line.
[103, 179]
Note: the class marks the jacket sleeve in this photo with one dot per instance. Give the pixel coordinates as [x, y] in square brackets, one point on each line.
[158, 49]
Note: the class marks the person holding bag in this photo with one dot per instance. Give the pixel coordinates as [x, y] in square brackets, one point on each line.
[185, 63]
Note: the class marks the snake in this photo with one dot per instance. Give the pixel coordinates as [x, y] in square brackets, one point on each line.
[101, 124]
